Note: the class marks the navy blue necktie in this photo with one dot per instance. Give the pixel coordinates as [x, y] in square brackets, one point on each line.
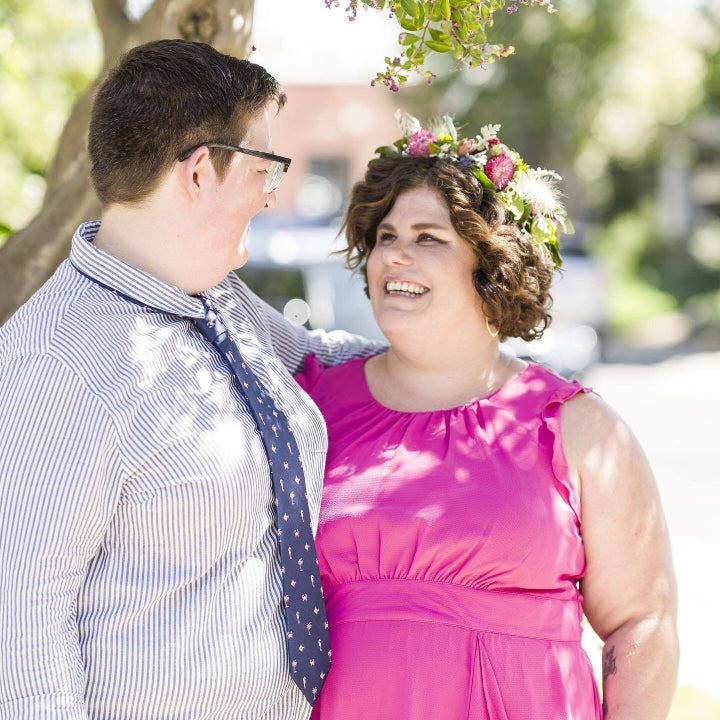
[307, 628]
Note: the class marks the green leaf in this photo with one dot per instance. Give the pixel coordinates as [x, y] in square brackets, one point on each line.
[411, 7]
[461, 33]
[408, 38]
[416, 54]
[387, 150]
[439, 35]
[540, 228]
[514, 204]
[554, 248]
[484, 180]
[436, 12]
[408, 23]
[440, 47]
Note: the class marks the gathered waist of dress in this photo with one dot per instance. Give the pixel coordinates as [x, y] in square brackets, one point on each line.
[493, 611]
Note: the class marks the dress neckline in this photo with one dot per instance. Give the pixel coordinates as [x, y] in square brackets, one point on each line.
[366, 394]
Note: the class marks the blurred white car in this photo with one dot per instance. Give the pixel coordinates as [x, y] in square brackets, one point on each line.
[295, 270]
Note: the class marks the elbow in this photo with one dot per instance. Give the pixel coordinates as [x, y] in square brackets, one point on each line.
[653, 634]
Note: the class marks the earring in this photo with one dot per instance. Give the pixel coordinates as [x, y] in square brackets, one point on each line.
[487, 325]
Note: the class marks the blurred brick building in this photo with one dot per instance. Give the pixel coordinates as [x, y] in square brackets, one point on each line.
[330, 132]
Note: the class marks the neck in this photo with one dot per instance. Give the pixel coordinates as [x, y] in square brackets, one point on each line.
[151, 240]
[439, 377]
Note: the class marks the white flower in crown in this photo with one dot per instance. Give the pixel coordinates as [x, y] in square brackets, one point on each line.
[409, 125]
[489, 132]
[539, 189]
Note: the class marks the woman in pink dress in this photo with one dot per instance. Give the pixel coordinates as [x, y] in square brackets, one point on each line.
[476, 506]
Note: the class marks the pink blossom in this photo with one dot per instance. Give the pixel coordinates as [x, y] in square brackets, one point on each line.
[500, 170]
[418, 143]
[466, 146]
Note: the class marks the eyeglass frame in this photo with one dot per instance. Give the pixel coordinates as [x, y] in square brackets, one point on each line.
[279, 159]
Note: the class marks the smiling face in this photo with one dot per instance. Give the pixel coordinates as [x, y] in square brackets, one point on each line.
[420, 270]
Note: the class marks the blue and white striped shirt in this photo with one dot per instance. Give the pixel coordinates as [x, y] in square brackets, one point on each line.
[139, 560]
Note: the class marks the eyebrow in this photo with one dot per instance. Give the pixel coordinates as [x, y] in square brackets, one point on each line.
[415, 226]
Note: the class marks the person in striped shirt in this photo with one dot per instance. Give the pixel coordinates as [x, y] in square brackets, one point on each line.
[138, 546]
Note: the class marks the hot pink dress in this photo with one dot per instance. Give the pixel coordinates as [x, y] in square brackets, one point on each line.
[450, 551]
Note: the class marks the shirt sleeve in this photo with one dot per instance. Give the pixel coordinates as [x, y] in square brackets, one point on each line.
[292, 343]
[58, 490]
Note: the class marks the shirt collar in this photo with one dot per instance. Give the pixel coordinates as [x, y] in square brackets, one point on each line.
[136, 284]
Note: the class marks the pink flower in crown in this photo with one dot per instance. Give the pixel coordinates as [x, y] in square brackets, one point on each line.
[500, 170]
[466, 146]
[418, 143]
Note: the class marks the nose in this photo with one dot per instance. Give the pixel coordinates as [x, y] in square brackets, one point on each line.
[398, 253]
[270, 200]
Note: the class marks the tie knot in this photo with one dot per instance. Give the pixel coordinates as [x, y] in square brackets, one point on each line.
[211, 325]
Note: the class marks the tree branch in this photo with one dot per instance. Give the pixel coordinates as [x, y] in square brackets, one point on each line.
[31, 255]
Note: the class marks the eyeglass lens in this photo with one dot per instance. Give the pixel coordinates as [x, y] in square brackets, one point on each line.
[274, 176]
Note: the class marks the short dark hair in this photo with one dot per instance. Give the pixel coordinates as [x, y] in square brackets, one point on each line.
[162, 98]
[513, 274]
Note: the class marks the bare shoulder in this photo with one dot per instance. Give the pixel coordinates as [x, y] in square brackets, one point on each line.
[589, 412]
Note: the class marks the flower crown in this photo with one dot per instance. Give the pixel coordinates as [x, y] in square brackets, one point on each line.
[530, 195]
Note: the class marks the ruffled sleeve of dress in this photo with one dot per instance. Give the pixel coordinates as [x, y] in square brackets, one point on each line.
[551, 417]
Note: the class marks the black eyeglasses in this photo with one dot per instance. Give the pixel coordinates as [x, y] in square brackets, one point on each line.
[274, 174]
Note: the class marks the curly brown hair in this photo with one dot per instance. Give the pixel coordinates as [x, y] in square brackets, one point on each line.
[513, 274]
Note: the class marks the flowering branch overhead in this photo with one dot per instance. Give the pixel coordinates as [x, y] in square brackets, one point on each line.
[458, 27]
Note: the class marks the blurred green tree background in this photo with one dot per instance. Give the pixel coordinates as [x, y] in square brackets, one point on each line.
[49, 54]
[621, 96]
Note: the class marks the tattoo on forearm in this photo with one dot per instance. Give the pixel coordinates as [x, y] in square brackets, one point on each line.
[608, 668]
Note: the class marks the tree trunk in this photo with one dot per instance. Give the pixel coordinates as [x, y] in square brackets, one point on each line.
[31, 255]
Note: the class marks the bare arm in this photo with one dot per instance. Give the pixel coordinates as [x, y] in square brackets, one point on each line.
[630, 596]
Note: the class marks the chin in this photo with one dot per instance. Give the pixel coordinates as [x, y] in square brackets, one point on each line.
[240, 256]
[391, 327]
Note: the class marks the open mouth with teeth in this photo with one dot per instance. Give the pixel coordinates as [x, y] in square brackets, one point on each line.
[405, 289]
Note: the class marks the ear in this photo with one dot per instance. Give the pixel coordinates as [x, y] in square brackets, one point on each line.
[194, 174]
